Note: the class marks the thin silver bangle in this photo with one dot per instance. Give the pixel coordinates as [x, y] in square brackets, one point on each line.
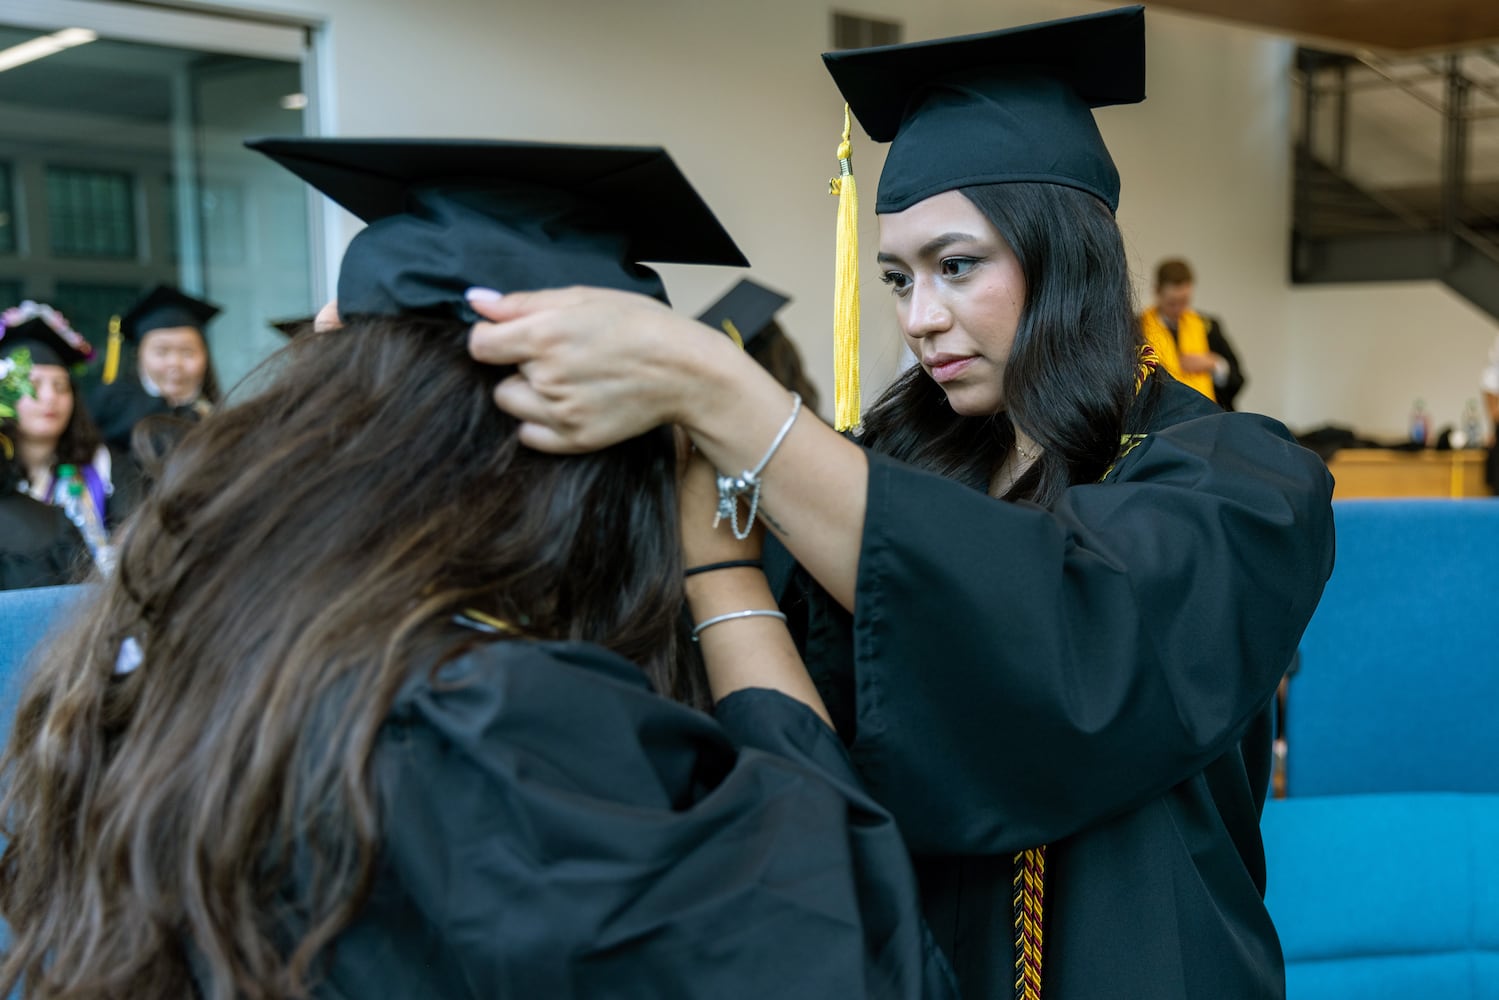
[731, 488]
[733, 615]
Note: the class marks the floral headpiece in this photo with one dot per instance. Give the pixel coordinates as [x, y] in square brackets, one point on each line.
[15, 382]
[29, 310]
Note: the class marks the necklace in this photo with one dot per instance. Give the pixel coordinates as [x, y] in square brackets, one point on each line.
[1015, 467]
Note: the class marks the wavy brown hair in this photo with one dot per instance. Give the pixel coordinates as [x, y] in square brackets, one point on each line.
[300, 557]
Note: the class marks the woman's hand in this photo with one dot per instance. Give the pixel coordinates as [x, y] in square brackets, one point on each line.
[596, 366]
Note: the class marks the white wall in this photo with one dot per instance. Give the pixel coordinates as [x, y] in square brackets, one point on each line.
[1366, 353]
[736, 91]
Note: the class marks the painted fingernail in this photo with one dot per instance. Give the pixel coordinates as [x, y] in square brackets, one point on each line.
[483, 295]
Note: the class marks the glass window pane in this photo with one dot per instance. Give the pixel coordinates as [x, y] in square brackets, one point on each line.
[7, 211]
[141, 179]
[91, 213]
[89, 305]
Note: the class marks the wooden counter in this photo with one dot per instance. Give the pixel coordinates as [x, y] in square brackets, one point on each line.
[1377, 472]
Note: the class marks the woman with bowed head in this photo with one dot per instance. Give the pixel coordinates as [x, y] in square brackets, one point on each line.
[1048, 594]
[373, 705]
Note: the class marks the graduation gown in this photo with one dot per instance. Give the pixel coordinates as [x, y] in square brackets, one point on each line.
[1098, 678]
[552, 828]
[118, 407]
[39, 547]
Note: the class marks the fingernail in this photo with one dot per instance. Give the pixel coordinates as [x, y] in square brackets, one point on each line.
[483, 295]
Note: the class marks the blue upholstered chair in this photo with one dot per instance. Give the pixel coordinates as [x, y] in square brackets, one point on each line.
[1384, 859]
[26, 616]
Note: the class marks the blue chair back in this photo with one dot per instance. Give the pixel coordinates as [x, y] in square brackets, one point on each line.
[26, 617]
[1385, 897]
[1400, 664]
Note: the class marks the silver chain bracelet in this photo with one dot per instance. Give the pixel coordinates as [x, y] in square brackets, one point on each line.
[731, 488]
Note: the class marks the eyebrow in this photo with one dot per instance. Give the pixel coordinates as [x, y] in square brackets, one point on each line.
[930, 248]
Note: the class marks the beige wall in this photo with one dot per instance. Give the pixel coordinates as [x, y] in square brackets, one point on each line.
[736, 91]
[1366, 353]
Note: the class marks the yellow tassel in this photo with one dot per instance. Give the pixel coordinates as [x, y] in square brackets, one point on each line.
[112, 352]
[846, 402]
[733, 332]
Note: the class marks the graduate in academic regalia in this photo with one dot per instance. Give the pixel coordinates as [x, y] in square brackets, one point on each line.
[373, 706]
[173, 370]
[1049, 600]
[39, 546]
[1191, 345]
[51, 454]
[748, 312]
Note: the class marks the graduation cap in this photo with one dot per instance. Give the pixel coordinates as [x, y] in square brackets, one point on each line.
[290, 328]
[447, 215]
[1000, 107]
[44, 332]
[744, 311]
[162, 308]
[1004, 106]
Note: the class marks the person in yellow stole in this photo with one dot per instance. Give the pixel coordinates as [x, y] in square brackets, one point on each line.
[1190, 345]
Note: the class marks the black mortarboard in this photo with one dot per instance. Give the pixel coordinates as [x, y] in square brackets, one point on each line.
[1005, 106]
[43, 331]
[163, 308]
[446, 215]
[290, 328]
[749, 306]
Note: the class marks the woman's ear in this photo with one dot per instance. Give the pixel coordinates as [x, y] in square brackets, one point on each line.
[327, 318]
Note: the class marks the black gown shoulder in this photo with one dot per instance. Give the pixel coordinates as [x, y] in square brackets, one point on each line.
[118, 407]
[553, 828]
[39, 546]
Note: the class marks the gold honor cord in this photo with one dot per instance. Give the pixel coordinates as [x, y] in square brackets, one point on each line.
[846, 402]
[1028, 907]
[1028, 899]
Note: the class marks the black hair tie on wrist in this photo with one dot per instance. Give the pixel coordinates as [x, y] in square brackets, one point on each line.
[731, 564]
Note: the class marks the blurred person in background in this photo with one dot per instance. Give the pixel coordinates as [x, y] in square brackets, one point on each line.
[747, 312]
[1191, 345]
[173, 370]
[57, 456]
[39, 546]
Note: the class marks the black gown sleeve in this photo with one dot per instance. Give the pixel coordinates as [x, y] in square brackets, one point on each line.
[563, 832]
[1020, 674]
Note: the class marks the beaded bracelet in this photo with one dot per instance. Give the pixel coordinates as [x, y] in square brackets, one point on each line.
[733, 615]
[731, 488]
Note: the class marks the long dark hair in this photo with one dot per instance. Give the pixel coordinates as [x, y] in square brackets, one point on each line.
[1070, 379]
[300, 557]
[77, 444]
